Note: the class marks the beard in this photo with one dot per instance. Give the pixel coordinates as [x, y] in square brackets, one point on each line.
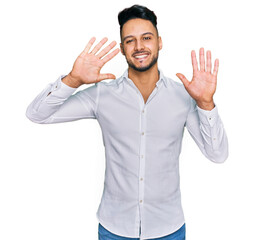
[144, 68]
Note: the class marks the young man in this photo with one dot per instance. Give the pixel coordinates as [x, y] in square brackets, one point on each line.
[142, 115]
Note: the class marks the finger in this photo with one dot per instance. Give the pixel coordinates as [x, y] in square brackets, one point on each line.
[208, 61]
[216, 67]
[99, 45]
[183, 79]
[106, 76]
[194, 61]
[107, 49]
[110, 56]
[202, 59]
[88, 46]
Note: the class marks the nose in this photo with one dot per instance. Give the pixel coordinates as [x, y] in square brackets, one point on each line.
[139, 45]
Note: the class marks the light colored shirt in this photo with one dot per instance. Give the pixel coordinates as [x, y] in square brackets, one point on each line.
[141, 196]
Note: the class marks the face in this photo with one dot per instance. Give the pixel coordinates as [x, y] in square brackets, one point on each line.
[140, 44]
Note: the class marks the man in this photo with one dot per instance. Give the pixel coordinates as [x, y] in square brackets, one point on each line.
[142, 115]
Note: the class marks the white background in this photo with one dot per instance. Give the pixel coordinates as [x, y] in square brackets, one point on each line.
[51, 176]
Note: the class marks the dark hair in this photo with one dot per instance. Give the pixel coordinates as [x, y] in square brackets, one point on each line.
[136, 11]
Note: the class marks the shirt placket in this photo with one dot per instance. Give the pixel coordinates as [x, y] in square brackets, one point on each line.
[142, 157]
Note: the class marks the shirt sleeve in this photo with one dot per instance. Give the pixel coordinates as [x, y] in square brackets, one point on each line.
[207, 130]
[56, 104]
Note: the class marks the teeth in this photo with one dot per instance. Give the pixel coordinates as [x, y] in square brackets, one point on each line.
[140, 56]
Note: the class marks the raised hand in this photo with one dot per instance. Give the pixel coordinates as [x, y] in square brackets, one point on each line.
[203, 84]
[86, 68]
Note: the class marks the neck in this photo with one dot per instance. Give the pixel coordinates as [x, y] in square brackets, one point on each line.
[147, 78]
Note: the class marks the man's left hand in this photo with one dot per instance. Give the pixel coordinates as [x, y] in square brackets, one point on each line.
[203, 84]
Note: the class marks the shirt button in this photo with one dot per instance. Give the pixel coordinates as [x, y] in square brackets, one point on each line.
[143, 133]
[141, 179]
[140, 201]
[214, 139]
[143, 111]
[142, 156]
[210, 118]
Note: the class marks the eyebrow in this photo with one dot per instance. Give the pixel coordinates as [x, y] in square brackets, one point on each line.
[133, 36]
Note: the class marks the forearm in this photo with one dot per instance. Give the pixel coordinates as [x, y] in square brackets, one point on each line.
[48, 101]
[214, 135]
[207, 129]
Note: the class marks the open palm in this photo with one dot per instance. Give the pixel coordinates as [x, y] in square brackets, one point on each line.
[203, 84]
[86, 68]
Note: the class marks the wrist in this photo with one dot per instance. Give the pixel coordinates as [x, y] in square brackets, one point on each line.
[208, 106]
[71, 81]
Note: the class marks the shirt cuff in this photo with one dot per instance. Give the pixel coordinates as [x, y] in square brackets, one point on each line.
[59, 88]
[208, 117]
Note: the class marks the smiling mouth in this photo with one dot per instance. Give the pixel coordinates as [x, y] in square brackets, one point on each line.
[141, 56]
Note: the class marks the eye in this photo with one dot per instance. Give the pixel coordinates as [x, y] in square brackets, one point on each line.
[147, 38]
[129, 41]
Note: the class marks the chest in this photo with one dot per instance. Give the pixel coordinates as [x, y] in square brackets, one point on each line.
[164, 115]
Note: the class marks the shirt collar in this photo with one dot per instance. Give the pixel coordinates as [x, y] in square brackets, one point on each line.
[161, 79]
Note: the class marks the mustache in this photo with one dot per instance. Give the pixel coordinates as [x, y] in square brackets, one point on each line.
[140, 52]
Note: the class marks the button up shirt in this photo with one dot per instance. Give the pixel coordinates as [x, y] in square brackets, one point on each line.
[141, 196]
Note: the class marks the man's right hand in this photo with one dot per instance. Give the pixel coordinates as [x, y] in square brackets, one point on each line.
[86, 68]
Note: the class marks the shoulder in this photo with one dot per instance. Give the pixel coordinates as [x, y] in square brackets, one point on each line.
[94, 88]
[177, 86]
[110, 83]
[178, 93]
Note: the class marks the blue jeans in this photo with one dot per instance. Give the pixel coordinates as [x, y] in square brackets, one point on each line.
[104, 234]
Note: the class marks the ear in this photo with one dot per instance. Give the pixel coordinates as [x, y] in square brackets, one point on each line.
[122, 50]
[160, 43]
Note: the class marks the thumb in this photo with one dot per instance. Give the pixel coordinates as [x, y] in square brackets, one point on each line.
[106, 76]
[183, 79]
